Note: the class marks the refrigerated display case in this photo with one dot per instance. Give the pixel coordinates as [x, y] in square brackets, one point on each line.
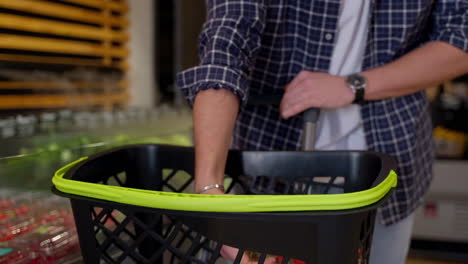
[441, 223]
[37, 227]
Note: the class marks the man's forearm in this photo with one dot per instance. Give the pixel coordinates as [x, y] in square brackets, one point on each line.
[214, 115]
[424, 67]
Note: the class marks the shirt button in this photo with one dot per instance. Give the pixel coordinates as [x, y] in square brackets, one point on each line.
[329, 36]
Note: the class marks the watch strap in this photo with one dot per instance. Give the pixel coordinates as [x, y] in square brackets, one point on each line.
[357, 83]
[358, 96]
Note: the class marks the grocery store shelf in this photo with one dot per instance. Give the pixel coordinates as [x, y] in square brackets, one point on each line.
[450, 177]
[61, 101]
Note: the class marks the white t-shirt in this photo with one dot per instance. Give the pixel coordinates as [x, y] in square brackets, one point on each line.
[342, 129]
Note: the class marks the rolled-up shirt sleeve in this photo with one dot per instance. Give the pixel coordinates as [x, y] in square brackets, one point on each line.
[450, 23]
[228, 43]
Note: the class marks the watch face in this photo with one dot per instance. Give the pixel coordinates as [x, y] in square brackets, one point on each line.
[357, 80]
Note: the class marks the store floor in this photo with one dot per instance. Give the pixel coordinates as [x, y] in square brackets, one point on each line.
[428, 261]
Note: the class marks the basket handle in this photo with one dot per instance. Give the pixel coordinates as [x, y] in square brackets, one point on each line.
[310, 117]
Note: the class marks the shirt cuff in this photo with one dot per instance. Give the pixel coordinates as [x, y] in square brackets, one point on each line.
[204, 77]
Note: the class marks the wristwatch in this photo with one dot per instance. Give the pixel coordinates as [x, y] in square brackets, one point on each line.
[357, 82]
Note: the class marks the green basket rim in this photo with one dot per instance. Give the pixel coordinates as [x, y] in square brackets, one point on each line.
[222, 203]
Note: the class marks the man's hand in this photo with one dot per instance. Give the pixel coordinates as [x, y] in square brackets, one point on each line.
[315, 89]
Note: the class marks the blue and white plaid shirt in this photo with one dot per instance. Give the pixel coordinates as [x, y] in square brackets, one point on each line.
[258, 46]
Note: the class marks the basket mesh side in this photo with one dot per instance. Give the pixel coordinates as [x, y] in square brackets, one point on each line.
[303, 185]
[121, 237]
[130, 236]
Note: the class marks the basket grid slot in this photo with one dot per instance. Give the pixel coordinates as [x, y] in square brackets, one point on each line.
[114, 251]
[234, 185]
[193, 248]
[107, 221]
[176, 181]
[192, 244]
[259, 257]
[127, 245]
[119, 179]
[118, 237]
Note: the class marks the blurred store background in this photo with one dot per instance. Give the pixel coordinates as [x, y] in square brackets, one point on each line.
[82, 76]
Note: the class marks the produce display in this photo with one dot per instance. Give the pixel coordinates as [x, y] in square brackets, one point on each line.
[36, 227]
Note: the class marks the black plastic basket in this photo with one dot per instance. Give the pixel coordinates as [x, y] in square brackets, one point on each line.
[112, 232]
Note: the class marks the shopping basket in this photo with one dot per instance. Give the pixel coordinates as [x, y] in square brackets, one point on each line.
[319, 207]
